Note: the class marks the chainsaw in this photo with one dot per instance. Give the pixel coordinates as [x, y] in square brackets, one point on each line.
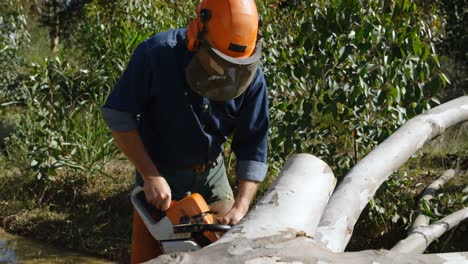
[188, 224]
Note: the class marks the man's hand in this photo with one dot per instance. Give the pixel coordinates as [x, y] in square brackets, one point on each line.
[237, 212]
[245, 195]
[157, 192]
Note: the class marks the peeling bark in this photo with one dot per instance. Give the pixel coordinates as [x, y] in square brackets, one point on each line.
[363, 180]
[422, 236]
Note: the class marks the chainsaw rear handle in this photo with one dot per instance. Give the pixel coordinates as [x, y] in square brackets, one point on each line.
[144, 209]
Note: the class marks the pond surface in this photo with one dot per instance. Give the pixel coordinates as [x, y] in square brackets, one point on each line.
[15, 249]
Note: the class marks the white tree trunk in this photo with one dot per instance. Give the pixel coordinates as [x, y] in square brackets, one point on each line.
[278, 229]
[363, 180]
[294, 202]
[428, 194]
[421, 237]
[289, 249]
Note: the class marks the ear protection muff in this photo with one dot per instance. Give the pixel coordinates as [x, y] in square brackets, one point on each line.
[192, 35]
[196, 29]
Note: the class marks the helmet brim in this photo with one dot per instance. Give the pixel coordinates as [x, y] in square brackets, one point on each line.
[242, 61]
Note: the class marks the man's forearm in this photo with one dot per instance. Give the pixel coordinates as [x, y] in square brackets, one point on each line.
[246, 193]
[157, 191]
[130, 143]
[245, 196]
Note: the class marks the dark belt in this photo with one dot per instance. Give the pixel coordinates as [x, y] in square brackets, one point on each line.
[203, 167]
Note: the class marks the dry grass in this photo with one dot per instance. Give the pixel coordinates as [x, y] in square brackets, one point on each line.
[72, 213]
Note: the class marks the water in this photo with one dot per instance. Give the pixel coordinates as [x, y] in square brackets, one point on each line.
[15, 249]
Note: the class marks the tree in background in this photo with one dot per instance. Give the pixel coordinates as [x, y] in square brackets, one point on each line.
[49, 13]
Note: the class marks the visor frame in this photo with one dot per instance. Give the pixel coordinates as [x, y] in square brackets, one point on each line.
[238, 61]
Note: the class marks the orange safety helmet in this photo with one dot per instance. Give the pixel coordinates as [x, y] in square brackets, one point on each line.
[230, 26]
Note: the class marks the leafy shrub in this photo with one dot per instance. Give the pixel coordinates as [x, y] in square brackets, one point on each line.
[341, 77]
[452, 46]
[62, 126]
[13, 36]
[346, 73]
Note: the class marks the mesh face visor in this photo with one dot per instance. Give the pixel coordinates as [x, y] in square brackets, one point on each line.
[219, 77]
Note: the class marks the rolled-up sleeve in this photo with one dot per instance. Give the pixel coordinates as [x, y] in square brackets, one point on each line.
[131, 94]
[251, 136]
[251, 170]
[119, 121]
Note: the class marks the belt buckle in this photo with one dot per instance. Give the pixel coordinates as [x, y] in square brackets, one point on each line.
[214, 163]
[204, 167]
[200, 168]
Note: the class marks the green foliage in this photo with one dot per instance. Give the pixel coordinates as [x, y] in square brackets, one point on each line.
[13, 36]
[111, 31]
[62, 126]
[346, 72]
[394, 202]
[452, 46]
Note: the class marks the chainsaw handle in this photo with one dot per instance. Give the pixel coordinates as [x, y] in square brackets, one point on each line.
[144, 209]
[197, 228]
[138, 196]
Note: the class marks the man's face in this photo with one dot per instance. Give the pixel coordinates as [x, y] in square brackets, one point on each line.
[217, 76]
[210, 65]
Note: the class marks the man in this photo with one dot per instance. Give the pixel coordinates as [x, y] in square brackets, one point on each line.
[182, 94]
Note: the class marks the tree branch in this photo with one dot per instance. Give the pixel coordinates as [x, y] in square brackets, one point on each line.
[363, 180]
[422, 236]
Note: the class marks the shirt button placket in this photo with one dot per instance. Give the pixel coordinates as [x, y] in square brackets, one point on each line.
[206, 116]
[205, 110]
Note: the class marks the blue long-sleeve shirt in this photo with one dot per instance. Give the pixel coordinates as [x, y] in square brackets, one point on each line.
[180, 128]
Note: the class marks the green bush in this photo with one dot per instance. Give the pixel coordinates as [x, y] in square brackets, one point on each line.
[341, 77]
[13, 36]
[346, 73]
[62, 126]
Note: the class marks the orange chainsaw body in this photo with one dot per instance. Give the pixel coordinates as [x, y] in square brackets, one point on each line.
[192, 209]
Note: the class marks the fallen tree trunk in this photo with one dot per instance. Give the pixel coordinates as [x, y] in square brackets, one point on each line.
[363, 180]
[278, 229]
[294, 202]
[291, 249]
